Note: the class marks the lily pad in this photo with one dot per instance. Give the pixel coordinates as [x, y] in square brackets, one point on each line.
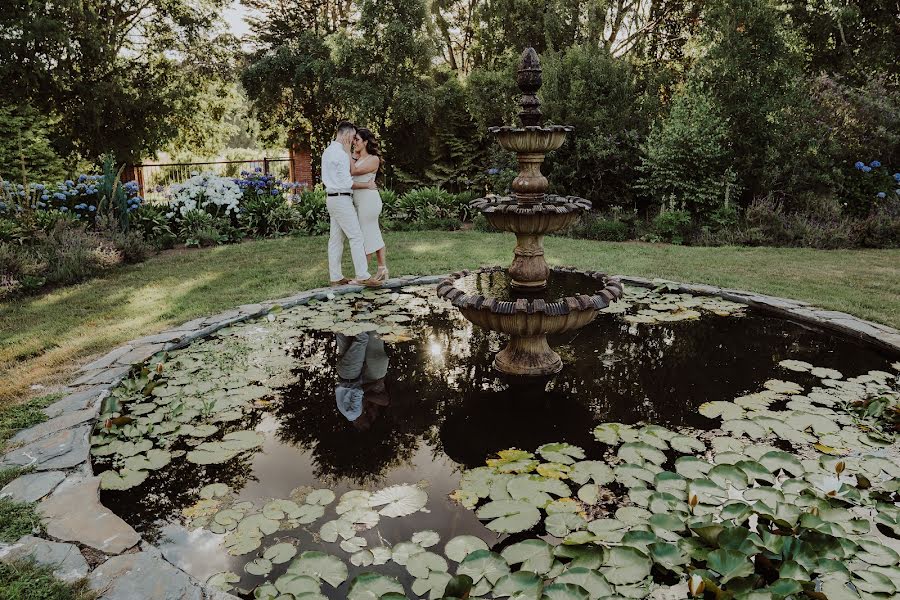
[625, 565]
[729, 564]
[121, 480]
[592, 581]
[372, 586]
[483, 564]
[423, 564]
[426, 538]
[535, 556]
[320, 566]
[561, 453]
[399, 500]
[259, 566]
[509, 516]
[462, 545]
[565, 591]
[520, 585]
[280, 553]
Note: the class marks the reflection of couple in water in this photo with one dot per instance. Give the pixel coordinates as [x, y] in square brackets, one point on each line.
[360, 391]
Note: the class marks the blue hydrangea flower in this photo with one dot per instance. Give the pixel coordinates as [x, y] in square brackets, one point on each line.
[69, 182]
[866, 169]
[859, 165]
[45, 197]
[896, 176]
[39, 187]
[82, 178]
[881, 195]
[92, 208]
[59, 196]
[874, 164]
[63, 209]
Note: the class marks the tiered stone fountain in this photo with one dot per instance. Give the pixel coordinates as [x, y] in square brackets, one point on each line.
[522, 312]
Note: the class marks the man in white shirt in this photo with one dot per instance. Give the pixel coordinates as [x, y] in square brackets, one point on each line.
[339, 186]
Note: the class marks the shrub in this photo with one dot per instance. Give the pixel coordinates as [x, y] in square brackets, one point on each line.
[268, 215]
[198, 228]
[423, 204]
[687, 162]
[151, 222]
[480, 223]
[72, 253]
[424, 224]
[313, 211]
[20, 269]
[597, 227]
[674, 226]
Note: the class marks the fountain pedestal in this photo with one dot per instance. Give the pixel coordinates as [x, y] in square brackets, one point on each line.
[530, 213]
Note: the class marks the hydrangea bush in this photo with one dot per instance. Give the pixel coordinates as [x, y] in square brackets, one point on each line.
[220, 196]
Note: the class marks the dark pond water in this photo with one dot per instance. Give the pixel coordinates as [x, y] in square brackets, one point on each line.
[443, 408]
[559, 285]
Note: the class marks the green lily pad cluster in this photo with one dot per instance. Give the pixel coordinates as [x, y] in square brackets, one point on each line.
[649, 306]
[737, 518]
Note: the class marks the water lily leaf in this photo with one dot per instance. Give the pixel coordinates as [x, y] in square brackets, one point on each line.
[363, 558]
[211, 455]
[536, 555]
[330, 531]
[777, 460]
[462, 545]
[509, 516]
[154, 459]
[589, 494]
[350, 500]
[565, 591]
[671, 483]
[422, 564]
[707, 491]
[241, 440]
[259, 566]
[309, 513]
[322, 497]
[669, 556]
[686, 445]
[563, 453]
[739, 427]
[613, 433]
[320, 567]
[554, 470]
[876, 553]
[633, 515]
[372, 586]
[509, 456]
[295, 585]
[214, 490]
[725, 475]
[817, 424]
[223, 581]
[121, 480]
[426, 538]
[721, 409]
[534, 489]
[366, 517]
[591, 581]
[562, 524]
[626, 565]
[691, 467]
[228, 518]
[729, 564]
[477, 481]
[483, 565]
[631, 475]
[521, 585]
[353, 545]
[239, 543]
[783, 387]
[591, 470]
[381, 555]
[795, 365]
[638, 452]
[399, 500]
[279, 509]
[404, 550]
[280, 553]
[607, 530]
[433, 585]
[258, 524]
[825, 373]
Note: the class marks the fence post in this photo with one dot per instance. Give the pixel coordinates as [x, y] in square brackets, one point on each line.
[301, 164]
[265, 166]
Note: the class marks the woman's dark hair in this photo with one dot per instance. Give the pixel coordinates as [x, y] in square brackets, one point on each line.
[371, 142]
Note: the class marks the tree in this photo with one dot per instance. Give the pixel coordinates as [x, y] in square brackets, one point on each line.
[120, 75]
[24, 145]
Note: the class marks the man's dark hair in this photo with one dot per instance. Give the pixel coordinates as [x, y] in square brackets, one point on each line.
[344, 127]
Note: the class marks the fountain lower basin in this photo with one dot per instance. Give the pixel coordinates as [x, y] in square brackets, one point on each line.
[485, 298]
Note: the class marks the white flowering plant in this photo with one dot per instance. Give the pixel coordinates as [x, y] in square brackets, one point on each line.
[219, 196]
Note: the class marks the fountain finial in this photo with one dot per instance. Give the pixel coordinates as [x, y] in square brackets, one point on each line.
[529, 80]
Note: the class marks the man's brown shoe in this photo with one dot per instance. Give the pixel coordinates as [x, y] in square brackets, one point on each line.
[342, 281]
[370, 282]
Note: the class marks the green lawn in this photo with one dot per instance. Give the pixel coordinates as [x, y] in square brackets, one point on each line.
[45, 337]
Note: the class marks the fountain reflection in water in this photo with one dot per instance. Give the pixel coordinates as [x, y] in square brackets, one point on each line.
[530, 213]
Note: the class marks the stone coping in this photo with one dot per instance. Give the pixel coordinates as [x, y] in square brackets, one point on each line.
[612, 291]
[538, 128]
[126, 567]
[552, 204]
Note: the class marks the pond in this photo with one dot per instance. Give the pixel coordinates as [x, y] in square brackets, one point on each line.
[345, 427]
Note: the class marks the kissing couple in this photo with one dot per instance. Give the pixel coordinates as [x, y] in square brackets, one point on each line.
[349, 167]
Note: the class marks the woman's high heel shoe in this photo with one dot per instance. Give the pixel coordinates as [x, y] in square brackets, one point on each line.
[381, 274]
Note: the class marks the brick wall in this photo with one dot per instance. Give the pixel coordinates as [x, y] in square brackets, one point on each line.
[301, 164]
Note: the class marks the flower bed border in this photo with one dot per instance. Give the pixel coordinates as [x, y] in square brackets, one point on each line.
[59, 448]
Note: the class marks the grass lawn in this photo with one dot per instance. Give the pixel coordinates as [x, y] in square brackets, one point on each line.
[43, 338]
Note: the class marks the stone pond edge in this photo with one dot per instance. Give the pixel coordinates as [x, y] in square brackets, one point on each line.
[59, 449]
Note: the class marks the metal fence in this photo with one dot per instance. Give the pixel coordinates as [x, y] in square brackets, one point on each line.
[155, 180]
